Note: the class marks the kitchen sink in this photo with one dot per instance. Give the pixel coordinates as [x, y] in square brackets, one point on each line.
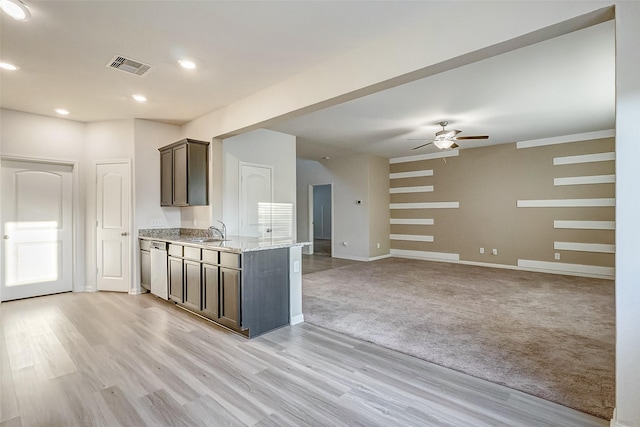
[205, 239]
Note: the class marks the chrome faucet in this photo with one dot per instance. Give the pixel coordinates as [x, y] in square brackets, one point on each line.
[221, 232]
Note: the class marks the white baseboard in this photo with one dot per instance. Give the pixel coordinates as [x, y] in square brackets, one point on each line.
[365, 259]
[616, 423]
[137, 291]
[428, 256]
[577, 270]
[568, 269]
[375, 258]
[297, 319]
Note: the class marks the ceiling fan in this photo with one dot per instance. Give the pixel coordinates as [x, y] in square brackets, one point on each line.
[446, 139]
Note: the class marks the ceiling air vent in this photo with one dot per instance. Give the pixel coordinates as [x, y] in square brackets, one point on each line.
[129, 65]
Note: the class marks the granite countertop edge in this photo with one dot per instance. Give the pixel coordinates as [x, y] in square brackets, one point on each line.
[237, 244]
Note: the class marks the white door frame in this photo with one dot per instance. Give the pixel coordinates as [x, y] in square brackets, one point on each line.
[132, 255]
[310, 248]
[77, 267]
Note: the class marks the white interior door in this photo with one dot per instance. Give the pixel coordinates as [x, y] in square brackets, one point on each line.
[37, 229]
[256, 200]
[113, 226]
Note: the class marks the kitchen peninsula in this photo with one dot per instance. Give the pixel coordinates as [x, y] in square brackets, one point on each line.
[249, 285]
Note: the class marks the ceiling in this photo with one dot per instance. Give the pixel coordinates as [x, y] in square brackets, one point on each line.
[561, 86]
[240, 47]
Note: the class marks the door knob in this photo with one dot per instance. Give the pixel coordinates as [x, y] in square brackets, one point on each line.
[124, 234]
[5, 237]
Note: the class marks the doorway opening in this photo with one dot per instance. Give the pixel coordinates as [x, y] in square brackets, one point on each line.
[321, 219]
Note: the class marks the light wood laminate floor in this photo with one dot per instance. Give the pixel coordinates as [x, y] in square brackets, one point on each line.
[108, 359]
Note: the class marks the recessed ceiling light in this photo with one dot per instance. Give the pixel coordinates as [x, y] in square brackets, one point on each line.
[7, 66]
[185, 63]
[15, 9]
[139, 98]
[62, 111]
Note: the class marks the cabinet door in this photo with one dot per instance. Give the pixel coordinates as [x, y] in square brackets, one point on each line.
[192, 285]
[166, 178]
[180, 176]
[230, 297]
[210, 291]
[175, 279]
[145, 269]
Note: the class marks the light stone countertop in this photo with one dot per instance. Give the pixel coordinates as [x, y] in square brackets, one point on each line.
[236, 244]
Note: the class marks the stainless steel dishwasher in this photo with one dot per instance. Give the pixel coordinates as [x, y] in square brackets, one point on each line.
[159, 284]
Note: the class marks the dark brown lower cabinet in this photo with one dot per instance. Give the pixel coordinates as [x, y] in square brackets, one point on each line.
[192, 285]
[245, 292]
[229, 297]
[175, 279]
[210, 294]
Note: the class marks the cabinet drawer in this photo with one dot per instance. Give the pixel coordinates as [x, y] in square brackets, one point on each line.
[145, 245]
[192, 253]
[210, 257]
[230, 260]
[175, 250]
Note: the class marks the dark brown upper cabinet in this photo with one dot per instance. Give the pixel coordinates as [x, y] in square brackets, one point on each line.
[184, 172]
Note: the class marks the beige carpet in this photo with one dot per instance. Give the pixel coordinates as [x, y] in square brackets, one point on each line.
[547, 335]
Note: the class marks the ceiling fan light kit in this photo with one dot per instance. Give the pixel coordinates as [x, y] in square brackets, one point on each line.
[446, 139]
[443, 143]
[15, 9]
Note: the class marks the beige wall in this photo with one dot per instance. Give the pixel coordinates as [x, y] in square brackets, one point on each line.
[361, 226]
[378, 207]
[487, 183]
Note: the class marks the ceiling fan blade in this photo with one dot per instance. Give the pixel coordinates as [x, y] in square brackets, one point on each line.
[459, 138]
[423, 145]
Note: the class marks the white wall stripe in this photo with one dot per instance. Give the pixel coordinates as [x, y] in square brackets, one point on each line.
[411, 237]
[584, 158]
[566, 138]
[411, 174]
[591, 270]
[419, 189]
[584, 247]
[439, 256]
[412, 221]
[586, 225]
[565, 203]
[439, 155]
[580, 180]
[426, 205]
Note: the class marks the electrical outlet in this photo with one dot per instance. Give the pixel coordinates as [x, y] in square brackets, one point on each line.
[378, 245]
[557, 256]
[494, 252]
[481, 250]
[296, 266]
